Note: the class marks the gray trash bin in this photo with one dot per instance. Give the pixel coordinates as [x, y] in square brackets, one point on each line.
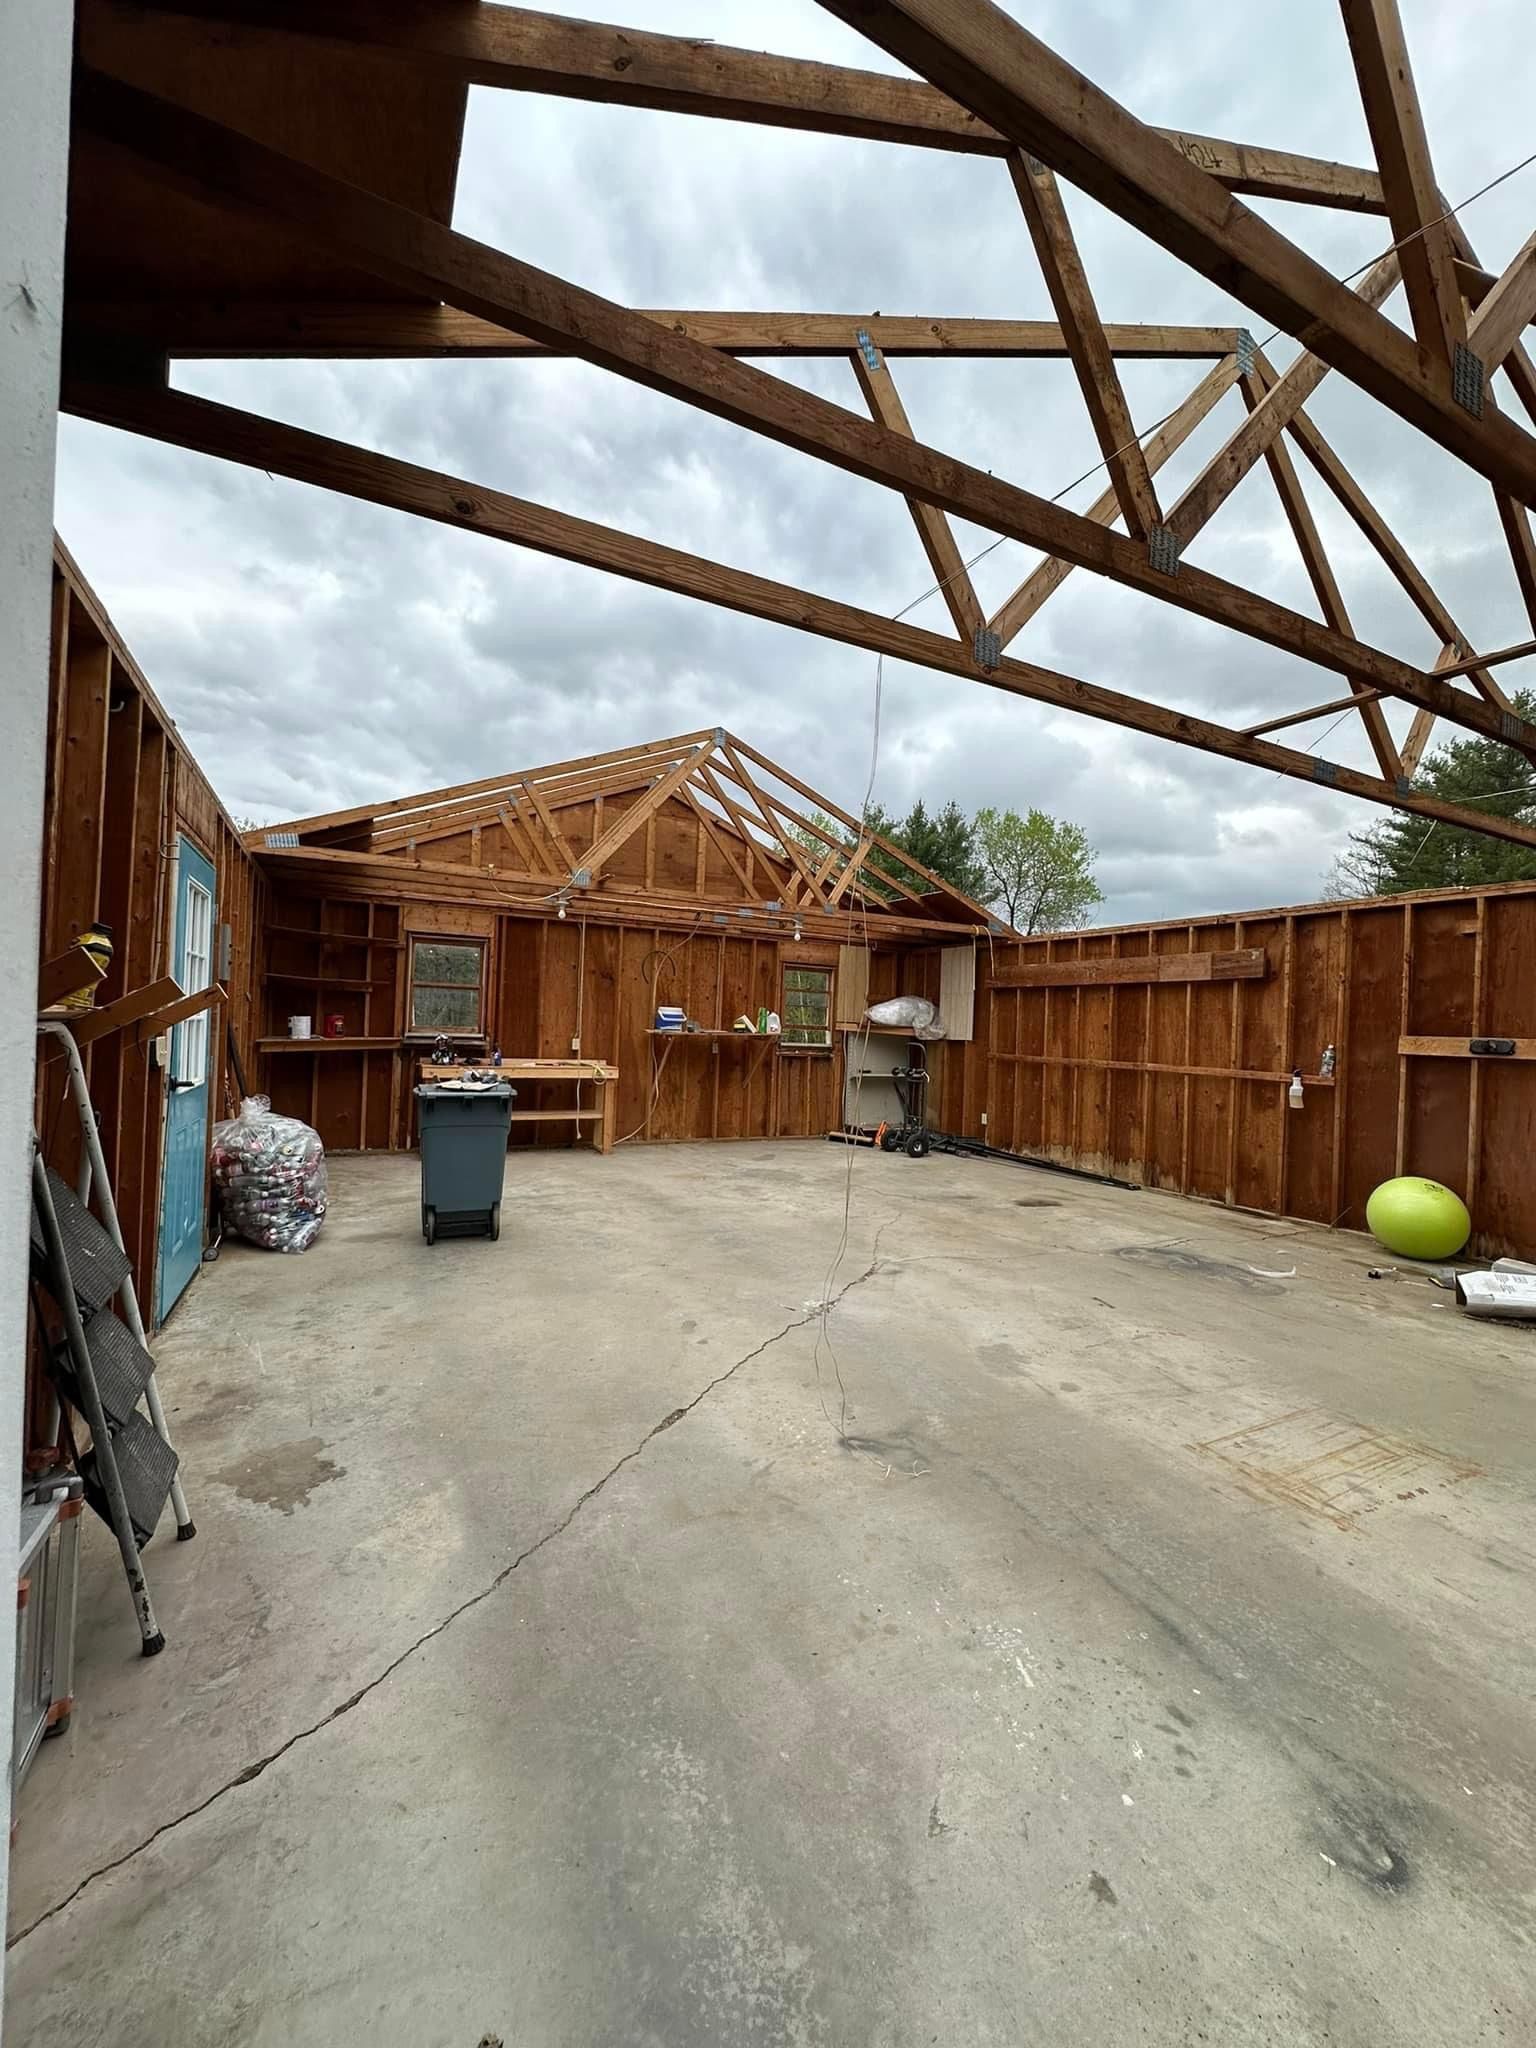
[463, 1156]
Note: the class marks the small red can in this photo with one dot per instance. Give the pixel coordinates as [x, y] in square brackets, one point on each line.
[335, 1025]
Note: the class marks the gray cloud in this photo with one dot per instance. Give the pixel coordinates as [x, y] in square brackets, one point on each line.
[317, 651]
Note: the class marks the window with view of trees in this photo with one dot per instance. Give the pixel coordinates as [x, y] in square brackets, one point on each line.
[446, 978]
[806, 1011]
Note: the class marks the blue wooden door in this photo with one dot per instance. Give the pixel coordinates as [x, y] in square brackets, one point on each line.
[184, 1180]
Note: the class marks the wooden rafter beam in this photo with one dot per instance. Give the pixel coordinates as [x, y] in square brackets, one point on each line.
[521, 836]
[1424, 721]
[521, 50]
[778, 817]
[397, 810]
[223, 431]
[718, 839]
[1507, 311]
[781, 879]
[1386, 543]
[983, 58]
[1392, 114]
[1305, 717]
[1521, 372]
[1319, 569]
[1017, 610]
[1266, 421]
[370, 875]
[192, 153]
[914, 868]
[1501, 654]
[1067, 282]
[233, 329]
[546, 816]
[436, 824]
[629, 820]
[933, 528]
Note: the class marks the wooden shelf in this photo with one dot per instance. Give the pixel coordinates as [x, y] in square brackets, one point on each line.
[327, 1045]
[556, 1116]
[746, 1037]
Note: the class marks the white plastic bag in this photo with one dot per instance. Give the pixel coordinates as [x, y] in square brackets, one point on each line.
[914, 1013]
[270, 1173]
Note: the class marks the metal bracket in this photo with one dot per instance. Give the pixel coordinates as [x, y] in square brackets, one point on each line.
[1325, 771]
[988, 647]
[1511, 725]
[581, 878]
[1036, 168]
[1404, 785]
[1163, 550]
[1468, 377]
[282, 839]
[867, 348]
[1247, 353]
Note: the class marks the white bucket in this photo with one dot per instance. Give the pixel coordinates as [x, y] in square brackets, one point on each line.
[298, 1027]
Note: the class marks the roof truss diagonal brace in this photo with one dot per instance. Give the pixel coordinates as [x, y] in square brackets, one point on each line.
[194, 153]
[235, 436]
[984, 59]
[1099, 380]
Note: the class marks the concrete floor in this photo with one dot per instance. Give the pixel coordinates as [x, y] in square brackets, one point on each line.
[1152, 1662]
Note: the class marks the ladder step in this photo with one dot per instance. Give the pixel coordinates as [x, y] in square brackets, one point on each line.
[97, 1266]
[146, 1464]
[121, 1363]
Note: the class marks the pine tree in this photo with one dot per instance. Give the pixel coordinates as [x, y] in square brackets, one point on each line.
[1404, 851]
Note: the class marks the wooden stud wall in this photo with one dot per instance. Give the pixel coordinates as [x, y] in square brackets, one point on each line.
[120, 787]
[555, 988]
[1183, 1085]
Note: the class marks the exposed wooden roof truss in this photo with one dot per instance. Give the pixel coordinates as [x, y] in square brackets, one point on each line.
[159, 108]
[565, 824]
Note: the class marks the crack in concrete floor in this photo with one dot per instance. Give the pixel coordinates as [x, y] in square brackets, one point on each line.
[252, 1771]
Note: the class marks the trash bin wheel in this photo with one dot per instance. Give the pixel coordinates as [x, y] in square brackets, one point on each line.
[495, 1230]
[429, 1225]
[919, 1145]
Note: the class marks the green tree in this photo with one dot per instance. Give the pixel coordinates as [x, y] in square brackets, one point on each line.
[1037, 870]
[1404, 851]
[945, 844]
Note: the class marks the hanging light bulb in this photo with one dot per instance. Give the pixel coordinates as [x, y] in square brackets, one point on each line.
[562, 911]
[797, 931]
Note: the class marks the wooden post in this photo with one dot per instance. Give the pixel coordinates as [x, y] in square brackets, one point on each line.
[1405, 1000]
[1475, 1074]
[1287, 1055]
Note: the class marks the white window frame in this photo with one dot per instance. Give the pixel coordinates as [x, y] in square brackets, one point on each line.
[190, 1051]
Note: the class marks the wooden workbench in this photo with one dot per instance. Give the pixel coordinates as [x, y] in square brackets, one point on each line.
[520, 1072]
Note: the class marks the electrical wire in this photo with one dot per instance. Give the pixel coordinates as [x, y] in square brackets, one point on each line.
[664, 964]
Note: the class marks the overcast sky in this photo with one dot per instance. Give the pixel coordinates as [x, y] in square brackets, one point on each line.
[317, 652]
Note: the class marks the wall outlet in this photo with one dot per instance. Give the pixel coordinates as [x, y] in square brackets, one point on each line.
[161, 1047]
[575, 1043]
[983, 1119]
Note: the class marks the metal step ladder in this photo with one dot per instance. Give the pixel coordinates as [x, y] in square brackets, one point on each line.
[102, 1365]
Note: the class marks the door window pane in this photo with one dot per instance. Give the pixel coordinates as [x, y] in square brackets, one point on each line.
[189, 1052]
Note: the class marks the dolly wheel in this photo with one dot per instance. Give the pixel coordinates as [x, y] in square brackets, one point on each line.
[919, 1145]
[890, 1140]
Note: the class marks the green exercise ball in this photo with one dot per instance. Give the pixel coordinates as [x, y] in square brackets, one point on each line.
[1418, 1219]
